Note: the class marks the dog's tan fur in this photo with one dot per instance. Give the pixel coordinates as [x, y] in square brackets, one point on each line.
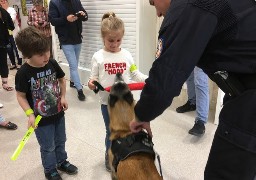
[136, 167]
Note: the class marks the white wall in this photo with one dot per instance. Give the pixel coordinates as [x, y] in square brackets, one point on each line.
[147, 35]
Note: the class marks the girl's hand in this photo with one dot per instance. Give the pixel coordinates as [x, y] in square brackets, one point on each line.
[91, 85]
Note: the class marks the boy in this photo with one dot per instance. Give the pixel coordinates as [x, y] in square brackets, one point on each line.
[41, 89]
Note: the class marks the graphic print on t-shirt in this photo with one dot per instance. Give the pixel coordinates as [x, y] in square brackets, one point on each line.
[114, 68]
[45, 93]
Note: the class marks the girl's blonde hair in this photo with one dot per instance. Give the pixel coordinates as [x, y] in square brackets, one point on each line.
[111, 23]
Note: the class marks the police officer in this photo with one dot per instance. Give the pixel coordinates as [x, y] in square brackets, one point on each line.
[217, 36]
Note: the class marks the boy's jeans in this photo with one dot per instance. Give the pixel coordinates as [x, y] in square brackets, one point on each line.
[51, 139]
[72, 53]
[104, 111]
[198, 93]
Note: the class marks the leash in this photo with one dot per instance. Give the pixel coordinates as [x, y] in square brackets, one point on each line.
[132, 86]
[159, 163]
[98, 87]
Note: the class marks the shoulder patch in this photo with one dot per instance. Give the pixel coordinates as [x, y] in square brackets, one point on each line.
[159, 48]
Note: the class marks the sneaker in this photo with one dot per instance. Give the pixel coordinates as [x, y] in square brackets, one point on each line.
[72, 85]
[186, 108]
[81, 95]
[53, 175]
[107, 163]
[198, 129]
[68, 168]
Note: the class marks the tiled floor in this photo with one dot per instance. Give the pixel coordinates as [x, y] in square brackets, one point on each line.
[183, 157]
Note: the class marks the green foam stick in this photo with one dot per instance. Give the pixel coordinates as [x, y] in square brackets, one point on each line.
[25, 139]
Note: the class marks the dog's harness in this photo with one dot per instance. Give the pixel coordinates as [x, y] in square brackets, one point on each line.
[132, 144]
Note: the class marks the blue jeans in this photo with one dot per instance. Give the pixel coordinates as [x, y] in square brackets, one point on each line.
[72, 53]
[198, 93]
[52, 138]
[104, 111]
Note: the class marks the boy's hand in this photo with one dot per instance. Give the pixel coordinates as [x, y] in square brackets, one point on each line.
[31, 121]
[91, 85]
[64, 103]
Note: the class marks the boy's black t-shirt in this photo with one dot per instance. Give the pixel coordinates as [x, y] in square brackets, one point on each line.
[42, 89]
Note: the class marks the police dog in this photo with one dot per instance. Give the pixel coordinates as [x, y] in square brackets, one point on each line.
[138, 166]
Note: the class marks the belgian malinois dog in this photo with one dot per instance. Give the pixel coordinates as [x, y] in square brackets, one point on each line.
[137, 166]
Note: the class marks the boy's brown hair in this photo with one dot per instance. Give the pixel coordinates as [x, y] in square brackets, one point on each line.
[31, 41]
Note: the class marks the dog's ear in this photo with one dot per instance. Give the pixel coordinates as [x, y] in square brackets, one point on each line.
[128, 97]
[112, 99]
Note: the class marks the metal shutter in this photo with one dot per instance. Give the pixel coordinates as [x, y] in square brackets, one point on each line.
[92, 41]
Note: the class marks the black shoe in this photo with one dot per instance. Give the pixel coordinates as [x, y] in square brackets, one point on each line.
[13, 67]
[81, 95]
[53, 175]
[72, 85]
[107, 163]
[198, 129]
[186, 107]
[68, 168]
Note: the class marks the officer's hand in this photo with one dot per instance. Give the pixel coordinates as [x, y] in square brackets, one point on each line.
[137, 126]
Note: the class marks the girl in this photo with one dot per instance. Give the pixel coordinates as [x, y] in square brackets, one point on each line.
[109, 61]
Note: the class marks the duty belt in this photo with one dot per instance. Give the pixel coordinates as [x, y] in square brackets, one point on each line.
[234, 84]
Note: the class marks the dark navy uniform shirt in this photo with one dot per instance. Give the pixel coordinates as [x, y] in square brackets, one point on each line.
[212, 34]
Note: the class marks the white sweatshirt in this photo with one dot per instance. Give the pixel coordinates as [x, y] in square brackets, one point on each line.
[105, 65]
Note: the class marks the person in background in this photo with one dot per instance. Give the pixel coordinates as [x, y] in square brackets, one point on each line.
[6, 124]
[198, 99]
[112, 32]
[12, 47]
[41, 88]
[38, 17]
[6, 24]
[219, 37]
[67, 17]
